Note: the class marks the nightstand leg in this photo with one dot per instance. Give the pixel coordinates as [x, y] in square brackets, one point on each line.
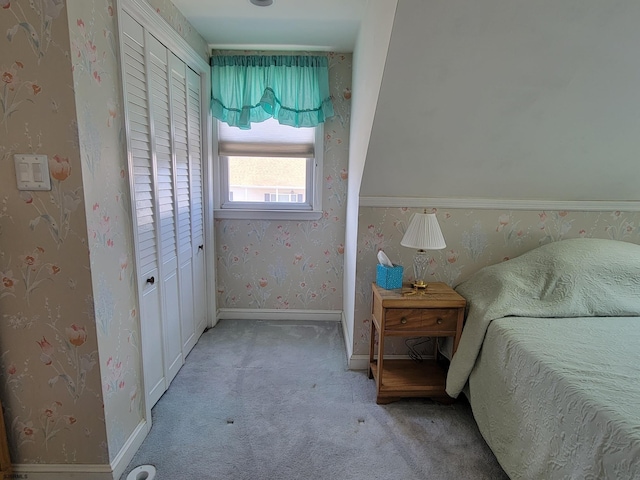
[380, 360]
[372, 341]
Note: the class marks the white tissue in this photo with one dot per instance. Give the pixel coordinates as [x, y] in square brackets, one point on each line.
[383, 259]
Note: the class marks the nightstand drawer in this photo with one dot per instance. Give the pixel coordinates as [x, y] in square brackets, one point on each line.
[440, 319]
[431, 320]
[402, 319]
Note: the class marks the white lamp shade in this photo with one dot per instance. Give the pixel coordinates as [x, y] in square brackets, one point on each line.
[423, 233]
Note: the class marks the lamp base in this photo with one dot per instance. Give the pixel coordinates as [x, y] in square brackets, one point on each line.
[420, 266]
[419, 287]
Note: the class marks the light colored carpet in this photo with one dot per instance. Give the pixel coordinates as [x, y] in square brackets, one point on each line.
[274, 400]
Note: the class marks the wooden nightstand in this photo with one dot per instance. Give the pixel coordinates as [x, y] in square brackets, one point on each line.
[439, 312]
[5, 461]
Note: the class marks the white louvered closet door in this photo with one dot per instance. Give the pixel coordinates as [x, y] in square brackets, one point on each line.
[164, 133]
[194, 131]
[183, 191]
[136, 87]
[162, 143]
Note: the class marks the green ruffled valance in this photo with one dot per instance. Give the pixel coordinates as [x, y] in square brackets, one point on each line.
[252, 88]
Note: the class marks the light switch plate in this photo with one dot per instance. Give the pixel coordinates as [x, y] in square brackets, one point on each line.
[32, 172]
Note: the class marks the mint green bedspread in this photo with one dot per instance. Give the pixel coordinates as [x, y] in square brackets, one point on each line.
[559, 398]
[550, 353]
[571, 278]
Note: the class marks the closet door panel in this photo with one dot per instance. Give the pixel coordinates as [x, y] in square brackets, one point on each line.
[186, 293]
[183, 200]
[161, 121]
[194, 128]
[172, 328]
[152, 340]
[141, 165]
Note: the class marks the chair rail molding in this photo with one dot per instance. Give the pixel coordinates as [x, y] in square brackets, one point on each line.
[503, 204]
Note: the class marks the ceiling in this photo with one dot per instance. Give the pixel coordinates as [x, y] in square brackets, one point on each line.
[327, 25]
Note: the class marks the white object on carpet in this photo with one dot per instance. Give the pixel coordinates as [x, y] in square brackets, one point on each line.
[143, 472]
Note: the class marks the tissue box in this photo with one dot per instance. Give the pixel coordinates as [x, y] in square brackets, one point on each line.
[389, 277]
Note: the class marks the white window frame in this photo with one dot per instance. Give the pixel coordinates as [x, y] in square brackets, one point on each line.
[311, 209]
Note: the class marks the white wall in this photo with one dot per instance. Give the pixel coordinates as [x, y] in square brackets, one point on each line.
[368, 65]
[511, 99]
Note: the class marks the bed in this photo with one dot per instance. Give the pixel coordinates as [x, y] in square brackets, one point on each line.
[549, 359]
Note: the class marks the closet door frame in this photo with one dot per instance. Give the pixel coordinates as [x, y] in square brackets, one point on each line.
[152, 23]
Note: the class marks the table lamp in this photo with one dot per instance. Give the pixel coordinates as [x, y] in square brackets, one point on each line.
[422, 233]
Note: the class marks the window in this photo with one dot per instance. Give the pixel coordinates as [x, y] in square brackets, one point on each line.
[271, 171]
[269, 110]
[267, 179]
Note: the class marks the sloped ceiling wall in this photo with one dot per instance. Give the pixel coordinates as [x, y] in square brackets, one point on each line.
[509, 99]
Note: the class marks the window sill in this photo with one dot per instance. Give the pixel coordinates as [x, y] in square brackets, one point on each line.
[239, 214]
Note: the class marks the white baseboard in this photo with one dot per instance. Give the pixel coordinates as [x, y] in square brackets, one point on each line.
[128, 450]
[359, 362]
[278, 314]
[215, 320]
[61, 472]
[348, 343]
[39, 471]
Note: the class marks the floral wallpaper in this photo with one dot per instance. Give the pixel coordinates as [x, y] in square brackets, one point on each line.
[70, 378]
[50, 375]
[294, 264]
[475, 238]
[101, 141]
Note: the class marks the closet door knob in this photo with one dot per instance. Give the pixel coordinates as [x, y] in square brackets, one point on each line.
[200, 247]
[151, 280]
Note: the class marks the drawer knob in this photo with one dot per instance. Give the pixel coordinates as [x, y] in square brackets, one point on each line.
[403, 320]
[439, 321]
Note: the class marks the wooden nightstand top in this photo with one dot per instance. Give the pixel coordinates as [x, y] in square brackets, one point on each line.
[437, 295]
